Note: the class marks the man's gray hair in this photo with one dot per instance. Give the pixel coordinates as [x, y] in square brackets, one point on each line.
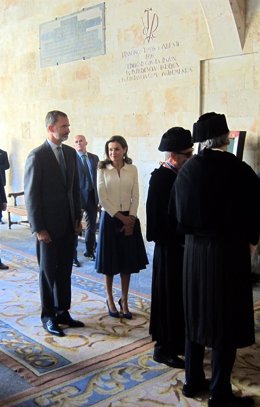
[216, 142]
[52, 117]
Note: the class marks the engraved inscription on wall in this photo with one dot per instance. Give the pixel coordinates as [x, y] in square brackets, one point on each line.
[76, 36]
[155, 59]
[153, 62]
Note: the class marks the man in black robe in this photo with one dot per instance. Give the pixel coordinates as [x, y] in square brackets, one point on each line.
[167, 318]
[217, 207]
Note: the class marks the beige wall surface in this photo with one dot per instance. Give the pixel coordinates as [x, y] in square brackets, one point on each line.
[166, 62]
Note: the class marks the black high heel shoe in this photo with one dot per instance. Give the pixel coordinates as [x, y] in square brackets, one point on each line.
[113, 314]
[127, 315]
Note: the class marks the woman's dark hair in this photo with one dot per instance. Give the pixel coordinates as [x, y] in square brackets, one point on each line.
[115, 139]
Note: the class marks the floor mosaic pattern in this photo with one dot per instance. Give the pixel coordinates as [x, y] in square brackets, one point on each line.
[23, 339]
[108, 363]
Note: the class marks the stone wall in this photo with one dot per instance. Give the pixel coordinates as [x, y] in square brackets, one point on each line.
[166, 62]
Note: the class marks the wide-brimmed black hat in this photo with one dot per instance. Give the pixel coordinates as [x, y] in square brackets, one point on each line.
[175, 140]
[209, 125]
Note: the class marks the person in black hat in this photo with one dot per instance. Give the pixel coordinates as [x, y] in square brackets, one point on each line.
[3, 205]
[217, 207]
[167, 319]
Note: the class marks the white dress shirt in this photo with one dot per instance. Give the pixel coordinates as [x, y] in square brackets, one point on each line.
[54, 148]
[118, 193]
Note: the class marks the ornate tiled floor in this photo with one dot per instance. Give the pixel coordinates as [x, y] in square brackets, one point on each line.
[39, 370]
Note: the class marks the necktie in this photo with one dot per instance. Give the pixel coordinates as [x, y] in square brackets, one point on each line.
[62, 163]
[85, 163]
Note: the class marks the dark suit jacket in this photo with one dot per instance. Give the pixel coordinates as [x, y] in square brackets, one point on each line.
[51, 204]
[83, 179]
[4, 165]
[2, 194]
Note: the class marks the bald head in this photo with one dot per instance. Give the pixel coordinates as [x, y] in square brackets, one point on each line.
[80, 143]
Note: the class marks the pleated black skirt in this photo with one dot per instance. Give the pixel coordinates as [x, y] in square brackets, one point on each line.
[117, 253]
[218, 301]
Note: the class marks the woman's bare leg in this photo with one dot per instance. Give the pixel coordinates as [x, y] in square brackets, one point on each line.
[125, 282]
[109, 289]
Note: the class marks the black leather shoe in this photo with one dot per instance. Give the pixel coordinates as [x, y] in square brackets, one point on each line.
[3, 266]
[232, 401]
[90, 256]
[65, 319]
[76, 263]
[171, 361]
[53, 328]
[193, 390]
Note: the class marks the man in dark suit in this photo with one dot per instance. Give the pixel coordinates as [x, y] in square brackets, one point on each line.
[87, 167]
[3, 204]
[4, 165]
[52, 198]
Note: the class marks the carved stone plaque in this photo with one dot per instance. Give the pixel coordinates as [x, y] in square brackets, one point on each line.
[77, 36]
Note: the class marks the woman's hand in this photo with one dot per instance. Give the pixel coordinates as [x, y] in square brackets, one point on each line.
[133, 218]
[127, 220]
[128, 223]
[128, 230]
[128, 227]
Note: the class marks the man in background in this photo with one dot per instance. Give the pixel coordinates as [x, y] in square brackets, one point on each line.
[87, 168]
[52, 198]
[4, 165]
[3, 204]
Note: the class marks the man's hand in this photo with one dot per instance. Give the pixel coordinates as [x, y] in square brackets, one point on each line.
[78, 228]
[43, 236]
[4, 206]
[252, 248]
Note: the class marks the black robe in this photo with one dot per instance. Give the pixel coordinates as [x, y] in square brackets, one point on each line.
[217, 204]
[167, 318]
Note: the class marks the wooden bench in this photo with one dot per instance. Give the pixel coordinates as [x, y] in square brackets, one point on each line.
[15, 209]
[21, 211]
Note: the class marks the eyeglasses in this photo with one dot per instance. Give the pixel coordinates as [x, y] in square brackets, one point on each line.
[188, 154]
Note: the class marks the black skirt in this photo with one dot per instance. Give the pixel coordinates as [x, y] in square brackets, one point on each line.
[117, 253]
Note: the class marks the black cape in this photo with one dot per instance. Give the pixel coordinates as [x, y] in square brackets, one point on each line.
[167, 318]
[217, 205]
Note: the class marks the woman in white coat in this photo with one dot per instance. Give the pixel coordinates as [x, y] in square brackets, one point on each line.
[120, 248]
